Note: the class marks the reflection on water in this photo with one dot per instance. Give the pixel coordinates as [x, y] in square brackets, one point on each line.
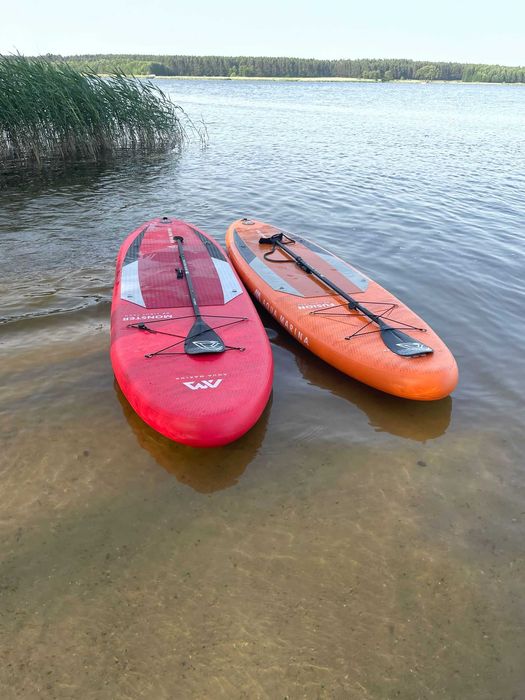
[204, 469]
[414, 420]
[58, 174]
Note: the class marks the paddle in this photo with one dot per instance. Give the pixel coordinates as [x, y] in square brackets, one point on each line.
[201, 339]
[398, 342]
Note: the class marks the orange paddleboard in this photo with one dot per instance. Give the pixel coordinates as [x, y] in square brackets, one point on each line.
[340, 314]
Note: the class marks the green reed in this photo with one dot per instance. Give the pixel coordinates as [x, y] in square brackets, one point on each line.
[52, 110]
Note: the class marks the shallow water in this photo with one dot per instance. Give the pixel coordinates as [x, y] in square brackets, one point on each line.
[351, 545]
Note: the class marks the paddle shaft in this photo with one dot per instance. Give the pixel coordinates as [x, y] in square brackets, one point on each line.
[193, 297]
[202, 339]
[395, 339]
[354, 304]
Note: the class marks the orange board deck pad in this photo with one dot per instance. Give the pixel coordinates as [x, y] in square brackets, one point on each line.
[340, 314]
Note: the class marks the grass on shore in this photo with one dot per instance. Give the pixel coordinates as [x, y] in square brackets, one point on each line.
[53, 111]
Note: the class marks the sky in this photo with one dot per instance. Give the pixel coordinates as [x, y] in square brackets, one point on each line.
[450, 30]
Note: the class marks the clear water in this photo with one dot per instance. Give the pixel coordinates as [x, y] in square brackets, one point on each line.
[351, 545]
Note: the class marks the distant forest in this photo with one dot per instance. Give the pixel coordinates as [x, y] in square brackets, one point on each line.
[270, 67]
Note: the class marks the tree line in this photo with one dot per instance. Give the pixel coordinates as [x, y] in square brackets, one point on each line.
[282, 67]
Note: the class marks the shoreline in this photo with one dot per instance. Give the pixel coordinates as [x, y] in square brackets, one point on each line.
[311, 80]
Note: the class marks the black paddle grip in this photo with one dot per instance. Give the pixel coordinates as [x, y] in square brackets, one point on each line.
[271, 239]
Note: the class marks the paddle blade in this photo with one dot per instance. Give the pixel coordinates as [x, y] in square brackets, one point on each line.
[402, 344]
[203, 340]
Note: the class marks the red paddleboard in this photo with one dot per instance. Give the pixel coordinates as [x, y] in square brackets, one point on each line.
[187, 346]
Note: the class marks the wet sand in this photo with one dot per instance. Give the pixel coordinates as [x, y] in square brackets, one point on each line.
[289, 564]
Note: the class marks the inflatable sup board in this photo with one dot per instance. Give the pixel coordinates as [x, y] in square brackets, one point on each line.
[340, 314]
[187, 346]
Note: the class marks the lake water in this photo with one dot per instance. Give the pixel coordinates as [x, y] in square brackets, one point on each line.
[352, 545]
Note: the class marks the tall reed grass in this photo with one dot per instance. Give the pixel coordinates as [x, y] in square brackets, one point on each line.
[50, 110]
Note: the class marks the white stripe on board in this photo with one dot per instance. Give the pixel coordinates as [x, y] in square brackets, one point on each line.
[130, 285]
[272, 278]
[346, 270]
[231, 287]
